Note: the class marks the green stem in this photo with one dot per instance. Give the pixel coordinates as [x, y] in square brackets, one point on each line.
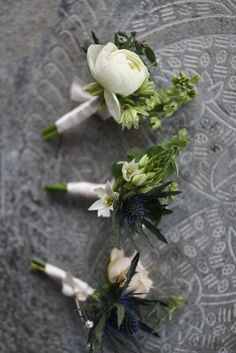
[50, 132]
[38, 265]
[61, 187]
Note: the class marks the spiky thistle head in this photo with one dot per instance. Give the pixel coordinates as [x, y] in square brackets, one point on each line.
[137, 211]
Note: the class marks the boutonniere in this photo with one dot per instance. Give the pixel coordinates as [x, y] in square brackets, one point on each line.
[122, 85]
[114, 313]
[138, 196]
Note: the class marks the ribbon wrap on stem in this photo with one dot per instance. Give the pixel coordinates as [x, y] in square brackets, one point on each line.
[71, 286]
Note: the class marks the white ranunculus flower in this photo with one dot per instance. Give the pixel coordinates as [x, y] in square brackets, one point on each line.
[118, 268]
[119, 71]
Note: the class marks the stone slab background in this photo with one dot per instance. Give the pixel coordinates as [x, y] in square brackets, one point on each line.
[40, 54]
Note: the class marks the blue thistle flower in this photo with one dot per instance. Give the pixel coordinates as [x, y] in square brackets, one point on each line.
[134, 211]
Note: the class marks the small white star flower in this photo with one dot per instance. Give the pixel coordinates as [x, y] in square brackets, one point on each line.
[104, 205]
[130, 169]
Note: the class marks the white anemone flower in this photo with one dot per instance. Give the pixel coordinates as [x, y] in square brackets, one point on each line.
[104, 205]
[130, 169]
[119, 71]
[118, 267]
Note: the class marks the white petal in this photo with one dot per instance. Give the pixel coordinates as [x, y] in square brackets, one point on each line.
[108, 188]
[110, 47]
[92, 54]
[124, 171]
[101, 192]
[131, 85]
[108, 76]
[116, 254]
[113, 104]
[105, 212]
[116, 268]
[97, 205]
[106, 73]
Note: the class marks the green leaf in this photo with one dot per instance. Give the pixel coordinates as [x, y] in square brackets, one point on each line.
[132, 240]
[150, 54]
[148, 329]
[94, 88]
[116, 40]
[134, 341]
[116, 230]
[155, 308]
[116, 169]
[156, 191]
[112, 344]
[95, 39]
[99, 328]
[155, 231]
[145, 236]
[154, 150]
[120, 314]
[135, 153]
[122, 342]
[131, 271]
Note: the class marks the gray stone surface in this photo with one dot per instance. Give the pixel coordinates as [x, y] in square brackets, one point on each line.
[40, 54]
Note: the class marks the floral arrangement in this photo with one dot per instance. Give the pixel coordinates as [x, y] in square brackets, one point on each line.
[115, 312]
[139, 194]
[122, 85]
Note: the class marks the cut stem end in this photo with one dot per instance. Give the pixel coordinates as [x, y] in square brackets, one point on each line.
[59, 187]
[38, 265]
[50, 132]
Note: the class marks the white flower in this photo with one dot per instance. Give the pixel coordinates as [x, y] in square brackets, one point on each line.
[130, 169]
[106, 199]
[119, 71]
[118, 268]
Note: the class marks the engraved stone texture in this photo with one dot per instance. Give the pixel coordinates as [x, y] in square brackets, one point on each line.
[41, 52]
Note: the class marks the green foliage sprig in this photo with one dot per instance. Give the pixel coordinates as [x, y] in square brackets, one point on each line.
[155, 164]
[144, 190]
[157, 104]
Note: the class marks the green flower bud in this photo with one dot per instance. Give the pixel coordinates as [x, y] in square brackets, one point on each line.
[169, 109]
[139, 179]
[182, 132]
[143, 161]
[129, 118]
[151, 175]
[155, 123]
[153, 101]
[173, 187]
